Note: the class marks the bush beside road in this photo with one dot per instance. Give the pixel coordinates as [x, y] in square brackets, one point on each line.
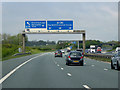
[8, 51]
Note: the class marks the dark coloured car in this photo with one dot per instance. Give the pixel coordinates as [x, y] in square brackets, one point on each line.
[75, 57]
[58, 53]
[115, 61]
[68, 50]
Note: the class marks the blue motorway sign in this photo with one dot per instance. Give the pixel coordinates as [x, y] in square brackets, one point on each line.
[35, 24]
[60, 25]
[70, 47]
[74, 42]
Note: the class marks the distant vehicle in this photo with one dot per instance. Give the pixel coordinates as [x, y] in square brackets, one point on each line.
[117, 50]
[58, 53]
[115, 61]
[80, 50]
[68, 50]
[75, 57]
[88, 51]
[62, 51]
[92, 48]
[99, 49]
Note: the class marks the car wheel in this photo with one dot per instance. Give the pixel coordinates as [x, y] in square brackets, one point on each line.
[112, 67]
[118, 66]
[82, 63]
[67, 63]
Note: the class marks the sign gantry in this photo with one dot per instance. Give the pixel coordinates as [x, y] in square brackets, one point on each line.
[51, 27]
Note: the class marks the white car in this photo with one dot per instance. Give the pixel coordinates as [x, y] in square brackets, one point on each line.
[62, 51]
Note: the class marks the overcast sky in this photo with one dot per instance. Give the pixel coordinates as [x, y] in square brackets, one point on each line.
[100, 20]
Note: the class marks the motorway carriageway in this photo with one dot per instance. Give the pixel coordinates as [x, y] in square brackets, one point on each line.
[46, 71]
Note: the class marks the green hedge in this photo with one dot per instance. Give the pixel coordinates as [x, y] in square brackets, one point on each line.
[8, 49]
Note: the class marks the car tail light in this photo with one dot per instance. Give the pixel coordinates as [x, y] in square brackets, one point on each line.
[69, 57]
[81, 57]
[55, 53]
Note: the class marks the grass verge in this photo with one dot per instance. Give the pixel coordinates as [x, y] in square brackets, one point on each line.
[110, 50]
[33, 51]
[101, 59]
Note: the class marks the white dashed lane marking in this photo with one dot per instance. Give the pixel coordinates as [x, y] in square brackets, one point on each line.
[62, 68]
[92, 65]
[69, 74]
[85, 86]
[58, 65]
[105, 69]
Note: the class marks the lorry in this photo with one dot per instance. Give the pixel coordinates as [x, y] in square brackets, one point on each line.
[117, 49]
[92, 49]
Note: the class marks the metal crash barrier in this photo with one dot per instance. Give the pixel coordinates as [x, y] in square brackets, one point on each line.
[99, 55]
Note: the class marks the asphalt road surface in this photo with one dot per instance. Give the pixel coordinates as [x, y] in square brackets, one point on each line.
[46, 71]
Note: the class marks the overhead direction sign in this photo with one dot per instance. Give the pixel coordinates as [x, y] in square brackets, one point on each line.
[60, 25]
[35, 24]
[48, 25]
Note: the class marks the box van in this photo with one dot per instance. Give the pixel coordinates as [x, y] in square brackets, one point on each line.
[92, 49]
[117, 49]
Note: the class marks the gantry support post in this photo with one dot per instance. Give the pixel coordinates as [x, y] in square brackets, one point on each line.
[23, 35]
[84, 42]
[78, 44]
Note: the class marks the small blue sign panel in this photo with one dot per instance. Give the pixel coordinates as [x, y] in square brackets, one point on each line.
[70, 47]
[35, 24]
[60, 25]
[74, 42]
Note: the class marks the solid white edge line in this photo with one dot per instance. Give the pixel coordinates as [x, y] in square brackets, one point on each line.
[85, 86]
[11, 72]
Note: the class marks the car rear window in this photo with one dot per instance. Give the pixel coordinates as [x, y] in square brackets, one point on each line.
[75, 54]
[58, 51]
[79, 50]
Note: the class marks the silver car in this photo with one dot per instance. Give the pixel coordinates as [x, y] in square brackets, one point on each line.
[115, 61]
